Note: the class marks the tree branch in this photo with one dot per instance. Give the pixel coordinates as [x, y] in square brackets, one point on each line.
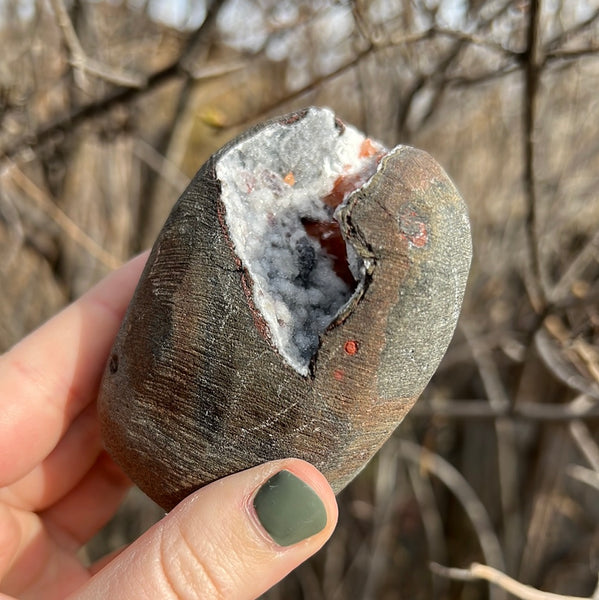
[586, 444]
[582, 408]
[83, 63]
[531, 86]
[178, 69]
[71, 229]
[497, 577]
[454, 480]
[563, 37]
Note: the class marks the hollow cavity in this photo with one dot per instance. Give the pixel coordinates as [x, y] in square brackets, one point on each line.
[280, 188]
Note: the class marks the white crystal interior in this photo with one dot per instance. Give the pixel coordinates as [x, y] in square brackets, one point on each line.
[295, 286]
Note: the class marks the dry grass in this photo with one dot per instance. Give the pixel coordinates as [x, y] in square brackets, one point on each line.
[499, 462]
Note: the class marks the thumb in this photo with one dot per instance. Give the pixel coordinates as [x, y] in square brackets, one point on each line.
[234, 538]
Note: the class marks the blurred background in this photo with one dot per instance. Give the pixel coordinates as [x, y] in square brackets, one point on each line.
[107, 108]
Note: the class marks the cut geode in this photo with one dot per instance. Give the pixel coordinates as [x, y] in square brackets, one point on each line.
[296, 302]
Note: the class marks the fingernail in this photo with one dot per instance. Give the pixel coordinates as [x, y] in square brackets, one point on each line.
[289, 509]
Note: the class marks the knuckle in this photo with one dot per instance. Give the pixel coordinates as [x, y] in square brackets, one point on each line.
[190, 570]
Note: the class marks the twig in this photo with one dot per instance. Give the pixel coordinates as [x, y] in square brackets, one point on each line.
[214, 71]
[584, 475]
[588, 355]
[460, 81]
[571, 54]
[437, 75]
[576, 267]
[589, 299]
[584, 440]
[496, 392]
[531, 84]
[497, 577]
[371, 48]
[507, 447]
[432, 520]
[16, 231]
[161, 165]
[562, 362]
[313, 85]
[473, 507]
[563, 37]
[83, 63]
[385, 499]
[583, 407]
[475, 40]
[70, 121]
[43, 201]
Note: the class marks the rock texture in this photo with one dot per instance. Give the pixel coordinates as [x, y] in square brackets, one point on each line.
[195, 388]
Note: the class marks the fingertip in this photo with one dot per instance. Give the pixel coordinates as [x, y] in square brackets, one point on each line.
[234, 538]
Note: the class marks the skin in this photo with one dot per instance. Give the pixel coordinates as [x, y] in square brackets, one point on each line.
[58, 487]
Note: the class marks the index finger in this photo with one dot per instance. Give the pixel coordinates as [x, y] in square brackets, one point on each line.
[49, 377]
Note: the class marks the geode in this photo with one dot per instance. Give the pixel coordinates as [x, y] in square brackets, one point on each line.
[296, 302]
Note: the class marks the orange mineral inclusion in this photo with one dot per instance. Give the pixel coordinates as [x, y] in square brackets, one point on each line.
[351, 347]
[328, 234]
[367, 148]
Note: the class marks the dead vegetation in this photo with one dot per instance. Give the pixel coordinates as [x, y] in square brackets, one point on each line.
[104, 116]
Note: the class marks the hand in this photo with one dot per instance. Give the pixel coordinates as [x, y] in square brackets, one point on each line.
[58, 487]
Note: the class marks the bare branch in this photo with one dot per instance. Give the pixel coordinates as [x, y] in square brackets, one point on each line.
[159, 163]
[70, 121]
[432, 519]
[586, 444]
[589, 253]
[497, 577]
[532, 73]
[476, 40]
[79, 59]
[71, 229]
[562, 54]
[584, 475]
[581, 408]
[454, 480]
[507, 448]
[460, 81]
[563, 37]
[209, 72]
[564, 363]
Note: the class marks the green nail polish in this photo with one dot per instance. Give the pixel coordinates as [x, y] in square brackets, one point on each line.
[289, 509]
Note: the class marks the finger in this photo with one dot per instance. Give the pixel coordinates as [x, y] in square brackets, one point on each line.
[62, 470]
[76, 517]
[232, 539]
[102, 562]
[34, 547]
[51, 375]
[32, 566]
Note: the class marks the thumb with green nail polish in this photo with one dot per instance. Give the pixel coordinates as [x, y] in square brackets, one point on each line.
[234, 538]
[289, 509]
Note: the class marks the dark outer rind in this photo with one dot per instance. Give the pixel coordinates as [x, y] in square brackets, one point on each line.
[200, 393]
[411, 222]
[422, 321]
[198, 388]
[415, 223]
